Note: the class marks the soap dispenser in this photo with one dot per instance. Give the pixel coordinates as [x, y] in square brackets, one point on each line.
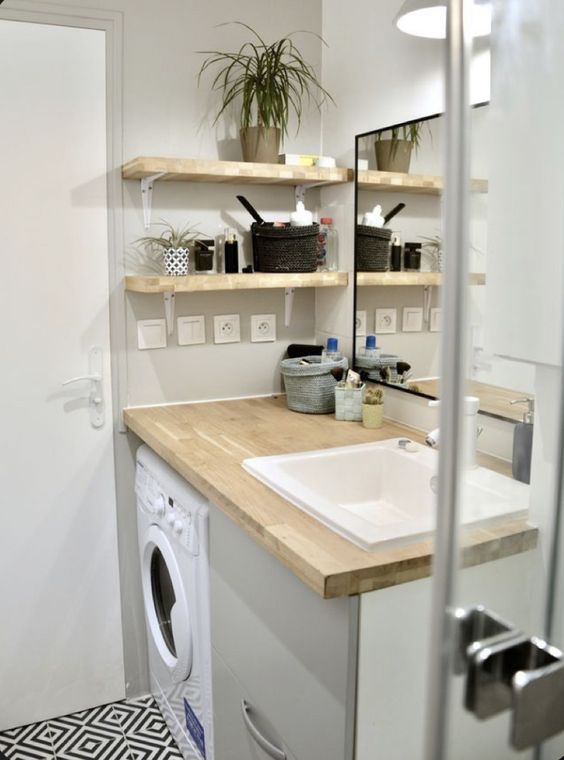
[523, 442]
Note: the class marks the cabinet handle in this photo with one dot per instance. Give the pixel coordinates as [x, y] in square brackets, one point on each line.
[271, 749]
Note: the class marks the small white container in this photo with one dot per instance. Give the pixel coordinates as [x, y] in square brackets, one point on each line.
[301, 217]
[348, 403]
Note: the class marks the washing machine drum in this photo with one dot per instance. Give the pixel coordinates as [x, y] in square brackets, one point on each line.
[166, 605]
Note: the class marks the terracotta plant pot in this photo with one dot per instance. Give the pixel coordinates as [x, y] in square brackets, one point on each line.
[260, 145]
[372, 415]
[393, 156]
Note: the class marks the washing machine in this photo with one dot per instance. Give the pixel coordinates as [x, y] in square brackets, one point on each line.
[172, 520]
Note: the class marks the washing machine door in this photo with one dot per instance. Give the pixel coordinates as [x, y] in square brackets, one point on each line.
[166, 604]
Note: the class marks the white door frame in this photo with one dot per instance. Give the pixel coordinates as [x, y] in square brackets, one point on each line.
[110, 22]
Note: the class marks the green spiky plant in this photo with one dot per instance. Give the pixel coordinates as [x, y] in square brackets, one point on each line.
[412, 133]
[270, 80]
[374, 397]
[171, 237]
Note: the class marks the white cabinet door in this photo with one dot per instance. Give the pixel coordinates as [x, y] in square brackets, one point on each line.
[60, 636]
[294, 653]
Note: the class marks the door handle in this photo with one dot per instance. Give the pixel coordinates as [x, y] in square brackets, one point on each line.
[95, 377]
[507, 670]
[271, 749]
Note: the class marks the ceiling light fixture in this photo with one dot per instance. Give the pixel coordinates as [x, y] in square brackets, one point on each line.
[427, 18]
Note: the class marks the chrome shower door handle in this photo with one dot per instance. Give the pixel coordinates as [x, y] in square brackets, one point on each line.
[95, 378]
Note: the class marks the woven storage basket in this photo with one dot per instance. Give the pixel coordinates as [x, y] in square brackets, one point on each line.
[348, 403]
[285, 249]
[372, 248]
[310, 388]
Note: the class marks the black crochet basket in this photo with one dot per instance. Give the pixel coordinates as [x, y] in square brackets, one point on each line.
[285, 249]
[372, 248]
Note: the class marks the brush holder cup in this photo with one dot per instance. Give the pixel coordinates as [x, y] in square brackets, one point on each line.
[373, 248]
[310, 388]
[284, 249]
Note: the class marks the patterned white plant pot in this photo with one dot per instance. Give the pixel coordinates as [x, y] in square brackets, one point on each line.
[176, 261]
[372, 415]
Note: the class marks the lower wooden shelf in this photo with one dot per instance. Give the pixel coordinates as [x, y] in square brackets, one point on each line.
[195, 283]
[365, 279]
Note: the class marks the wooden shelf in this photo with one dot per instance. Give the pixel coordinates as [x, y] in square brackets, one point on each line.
[365, 279]
[397, 182]
[212, 282]
[236, 172]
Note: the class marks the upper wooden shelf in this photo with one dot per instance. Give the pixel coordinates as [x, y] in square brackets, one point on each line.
[397, 182]
[258, 280]
[410, 278]
[235, 172]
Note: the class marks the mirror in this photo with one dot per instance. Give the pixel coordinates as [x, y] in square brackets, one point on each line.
[398, 267]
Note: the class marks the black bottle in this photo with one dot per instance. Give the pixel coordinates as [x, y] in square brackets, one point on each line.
[395, 258]
[231, 253]
[412, 257]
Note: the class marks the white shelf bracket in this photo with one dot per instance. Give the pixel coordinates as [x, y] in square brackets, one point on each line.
[427, 300]
[300, 190]
[288, 305]
[147, 196]
[169, 310]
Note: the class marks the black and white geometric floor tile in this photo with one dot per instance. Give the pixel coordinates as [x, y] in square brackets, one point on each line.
[128, 730]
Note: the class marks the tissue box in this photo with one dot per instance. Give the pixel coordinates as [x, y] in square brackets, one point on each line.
[348, 403]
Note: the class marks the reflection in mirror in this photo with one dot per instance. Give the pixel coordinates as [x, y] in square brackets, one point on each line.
[399, 262]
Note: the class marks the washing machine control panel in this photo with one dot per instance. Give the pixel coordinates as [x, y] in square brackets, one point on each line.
[181, 526]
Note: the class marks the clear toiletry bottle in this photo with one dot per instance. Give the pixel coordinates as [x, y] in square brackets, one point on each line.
[523, 442]
[370, 350]
[327, 246]
[331, 353]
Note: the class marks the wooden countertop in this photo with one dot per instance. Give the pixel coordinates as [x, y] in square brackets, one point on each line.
[206, 443]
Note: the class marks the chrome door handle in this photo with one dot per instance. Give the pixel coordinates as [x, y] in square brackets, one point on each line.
[271, 749]
[95, 378]
[507, 670]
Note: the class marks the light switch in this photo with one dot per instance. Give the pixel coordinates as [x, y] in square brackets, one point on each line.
[412, 319]
[435, 322]
[191, 330]
[151, 333]
[386, 321]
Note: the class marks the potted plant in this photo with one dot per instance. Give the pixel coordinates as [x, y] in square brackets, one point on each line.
[394, 146]
[373, 408]
[174, 245]
[270, 81]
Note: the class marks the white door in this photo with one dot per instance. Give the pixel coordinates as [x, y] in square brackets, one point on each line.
[60, 626]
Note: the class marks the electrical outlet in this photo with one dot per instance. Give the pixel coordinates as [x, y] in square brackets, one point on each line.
[191, 330]
[227, 328]
[263, 328]
[360, 323]
[386, 321]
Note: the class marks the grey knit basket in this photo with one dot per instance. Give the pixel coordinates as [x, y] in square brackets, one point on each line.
[285, 249]
[372, 248]
[310, 388]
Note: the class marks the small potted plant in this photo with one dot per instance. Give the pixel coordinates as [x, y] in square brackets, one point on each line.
[373, 408]
[394, 146]
[174, 244]
[269, 80]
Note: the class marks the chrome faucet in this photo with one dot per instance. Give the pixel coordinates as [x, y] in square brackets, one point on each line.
[471, 406]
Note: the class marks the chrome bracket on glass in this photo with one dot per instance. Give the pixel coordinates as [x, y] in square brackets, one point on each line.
[507, 670]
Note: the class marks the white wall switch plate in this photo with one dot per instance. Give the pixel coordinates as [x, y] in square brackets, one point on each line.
[360, 323]
[151, 333]
[191, 330]
[435, 322]
[412, 319]
[227, 328]
[263, 328]
[386, 321]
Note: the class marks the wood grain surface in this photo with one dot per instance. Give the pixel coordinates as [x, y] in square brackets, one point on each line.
[206, 443]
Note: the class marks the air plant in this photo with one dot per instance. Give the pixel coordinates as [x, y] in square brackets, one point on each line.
[171, 237]
[374, 397]
[409, 132]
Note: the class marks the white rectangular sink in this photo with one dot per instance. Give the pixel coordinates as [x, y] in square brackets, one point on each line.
[375, 493]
